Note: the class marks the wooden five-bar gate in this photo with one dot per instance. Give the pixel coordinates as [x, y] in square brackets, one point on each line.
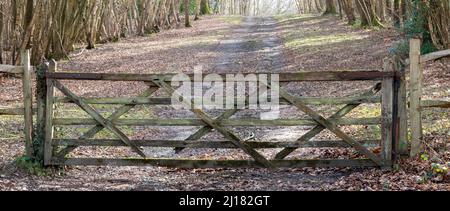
[55, 151]
[389, 83]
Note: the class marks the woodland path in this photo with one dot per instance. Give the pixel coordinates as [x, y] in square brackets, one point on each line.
[251, 47]
[220, 45]
[257, 39]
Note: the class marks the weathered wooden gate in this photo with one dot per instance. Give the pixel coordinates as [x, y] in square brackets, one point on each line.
[56, 150]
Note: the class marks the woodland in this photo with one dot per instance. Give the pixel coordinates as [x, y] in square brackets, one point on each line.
[54, 28]
[402, 42]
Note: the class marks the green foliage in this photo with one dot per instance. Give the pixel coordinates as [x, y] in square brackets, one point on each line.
[439, 169]
[114, 39]
[424, 178]
[191, 6]
[31, 166]
[396, 167]
[205, 9]
[232, 19]
[38, 136]
[424, 157]
[139, 6]
[400, 49]
[38, 147]
[415, 26]
[357, 24]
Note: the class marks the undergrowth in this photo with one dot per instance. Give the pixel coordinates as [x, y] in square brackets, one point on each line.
[414, 27]
[31, 166]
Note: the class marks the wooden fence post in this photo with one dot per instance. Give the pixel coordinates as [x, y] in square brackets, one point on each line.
[401, 147]
[415, 89]
[27, 102]
[41, 96]
[387, 110]
[48, 147]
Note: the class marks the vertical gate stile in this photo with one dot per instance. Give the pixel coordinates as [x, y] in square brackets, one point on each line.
[41, 97]
[387, 111]
[401, 145]
[48, 145]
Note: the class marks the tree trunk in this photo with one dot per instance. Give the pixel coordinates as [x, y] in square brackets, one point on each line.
[330, 7]
[14, 7]
[318, 6]
[197, 9]
[28, 26]
[1, 32]
[187, 22]
[347, 6]
[341, 13]
[205, 7]
[381, 10]
[367, 11]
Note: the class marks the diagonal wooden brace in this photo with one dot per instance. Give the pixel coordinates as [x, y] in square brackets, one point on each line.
[116, 115]
[205, 130]
[228, 134]
[318, 129]
[99, 118]
[330, 126]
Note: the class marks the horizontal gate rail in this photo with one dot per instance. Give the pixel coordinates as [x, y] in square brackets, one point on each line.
[213, 144]
[14, 111]
[230, 122]
[174, 163]
[168, 101]
[434, 104]
[9, 69]
[284, 77]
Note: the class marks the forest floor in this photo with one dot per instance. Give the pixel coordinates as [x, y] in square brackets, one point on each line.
[229, 45]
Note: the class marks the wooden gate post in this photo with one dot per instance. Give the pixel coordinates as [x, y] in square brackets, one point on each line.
[401, 147]
[27, 102]
[415, 88]
[41, 96]
[387, 112]
[48, 147]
